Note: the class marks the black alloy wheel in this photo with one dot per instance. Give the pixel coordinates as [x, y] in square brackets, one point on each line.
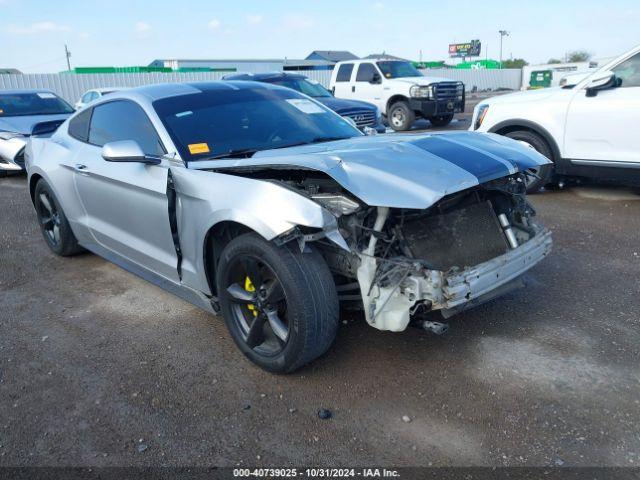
[259, 305]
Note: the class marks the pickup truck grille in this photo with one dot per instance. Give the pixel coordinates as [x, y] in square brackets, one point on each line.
[449, 91]
[363, 118]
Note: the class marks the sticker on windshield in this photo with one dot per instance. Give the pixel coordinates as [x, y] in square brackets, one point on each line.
[305, 106]
[184, 114]
[46, 95]
[196, 148]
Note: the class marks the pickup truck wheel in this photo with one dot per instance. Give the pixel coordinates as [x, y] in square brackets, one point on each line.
[441, 120]
[53, 222]
[535, 141]
[401, 117]
[280, 305]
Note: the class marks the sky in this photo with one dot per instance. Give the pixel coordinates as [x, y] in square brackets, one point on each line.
[135, 32]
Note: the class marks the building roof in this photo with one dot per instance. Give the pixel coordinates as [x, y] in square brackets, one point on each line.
[331, 55]
[217, 60]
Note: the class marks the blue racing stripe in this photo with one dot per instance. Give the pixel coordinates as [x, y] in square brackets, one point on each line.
[483, 165]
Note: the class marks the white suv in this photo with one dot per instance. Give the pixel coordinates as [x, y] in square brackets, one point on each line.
[399, 90]
[586, 129]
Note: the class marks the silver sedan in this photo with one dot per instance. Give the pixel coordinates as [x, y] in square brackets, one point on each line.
[22, 113]
[257, 201]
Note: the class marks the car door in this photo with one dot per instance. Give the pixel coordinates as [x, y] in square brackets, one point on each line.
[602, 127]
[126, 204]
[342, 87]
[368, 84]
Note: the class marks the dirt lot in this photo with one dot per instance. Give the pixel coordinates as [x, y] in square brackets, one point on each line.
[98, 367]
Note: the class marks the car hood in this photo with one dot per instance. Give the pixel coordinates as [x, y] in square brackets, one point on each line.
[527, 96]
[399, 171]
[420, 80]
[340, 105]
[25, 124]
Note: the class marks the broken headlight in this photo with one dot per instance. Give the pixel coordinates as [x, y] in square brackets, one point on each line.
[336, 203]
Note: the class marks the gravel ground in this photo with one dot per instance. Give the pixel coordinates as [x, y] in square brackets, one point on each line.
[98, 367]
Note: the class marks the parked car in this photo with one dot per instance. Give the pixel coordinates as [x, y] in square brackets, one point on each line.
[20, 112]
[254, 200]
[94, 94]
[363, 114]
[399, 90]
[587, 130]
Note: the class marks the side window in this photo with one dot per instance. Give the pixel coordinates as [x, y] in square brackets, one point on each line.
[629, 71]
[124, 120]
[344, 72]
[365, 72]
[79, 125]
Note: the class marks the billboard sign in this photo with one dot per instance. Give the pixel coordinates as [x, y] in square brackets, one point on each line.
[469, 49]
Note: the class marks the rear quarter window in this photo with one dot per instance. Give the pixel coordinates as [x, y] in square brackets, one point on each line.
[344, 72]
[79, 125]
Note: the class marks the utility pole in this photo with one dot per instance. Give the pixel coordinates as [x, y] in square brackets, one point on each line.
[67, 55]
[503, 33]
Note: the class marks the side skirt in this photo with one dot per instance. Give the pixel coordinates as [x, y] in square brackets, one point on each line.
[194, 297]
[620, 172]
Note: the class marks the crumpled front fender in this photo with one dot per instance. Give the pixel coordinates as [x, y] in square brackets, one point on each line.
[204, 199]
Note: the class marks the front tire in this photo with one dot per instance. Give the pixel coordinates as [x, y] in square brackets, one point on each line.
[53, 222]
[280, 305]
[401, 117]
[535, 141]
[440, 120]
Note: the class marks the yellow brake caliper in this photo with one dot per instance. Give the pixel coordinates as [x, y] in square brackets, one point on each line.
[248, 286]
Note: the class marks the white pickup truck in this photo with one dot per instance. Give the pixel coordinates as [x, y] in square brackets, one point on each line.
[586, 129]
[399, 90]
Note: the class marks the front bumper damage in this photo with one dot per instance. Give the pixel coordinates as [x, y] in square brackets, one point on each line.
[391, 308]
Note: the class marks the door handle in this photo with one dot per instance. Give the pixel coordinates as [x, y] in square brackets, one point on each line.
[80, 166]
[353, 88]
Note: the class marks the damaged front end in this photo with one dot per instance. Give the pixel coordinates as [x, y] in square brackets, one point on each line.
[467, 248]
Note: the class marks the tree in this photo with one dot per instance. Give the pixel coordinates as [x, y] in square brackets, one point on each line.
[578, 56]
[514, 63]
[554, 60]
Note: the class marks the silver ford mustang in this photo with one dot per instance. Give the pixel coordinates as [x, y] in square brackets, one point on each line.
[22, 111]
[256, 201]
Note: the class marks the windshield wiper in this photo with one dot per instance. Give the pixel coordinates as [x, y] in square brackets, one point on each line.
[311, 142]
[239, 153]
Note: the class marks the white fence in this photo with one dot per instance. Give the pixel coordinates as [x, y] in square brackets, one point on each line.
[481, 79]
[71, 86]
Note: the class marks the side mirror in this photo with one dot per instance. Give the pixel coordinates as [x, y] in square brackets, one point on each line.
[127, 151]
[375, 78]
[601, 81]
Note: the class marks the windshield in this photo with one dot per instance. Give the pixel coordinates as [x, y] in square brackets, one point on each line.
[41, 103]
[304, 86]
[219, 122]
[395, 69]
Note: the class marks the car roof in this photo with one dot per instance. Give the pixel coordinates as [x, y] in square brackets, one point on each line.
[151, 93]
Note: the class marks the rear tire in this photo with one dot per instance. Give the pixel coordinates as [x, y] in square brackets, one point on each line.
[53, 222]
[279, 332]
[535, 141]
[440, 120]
[401, 117]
